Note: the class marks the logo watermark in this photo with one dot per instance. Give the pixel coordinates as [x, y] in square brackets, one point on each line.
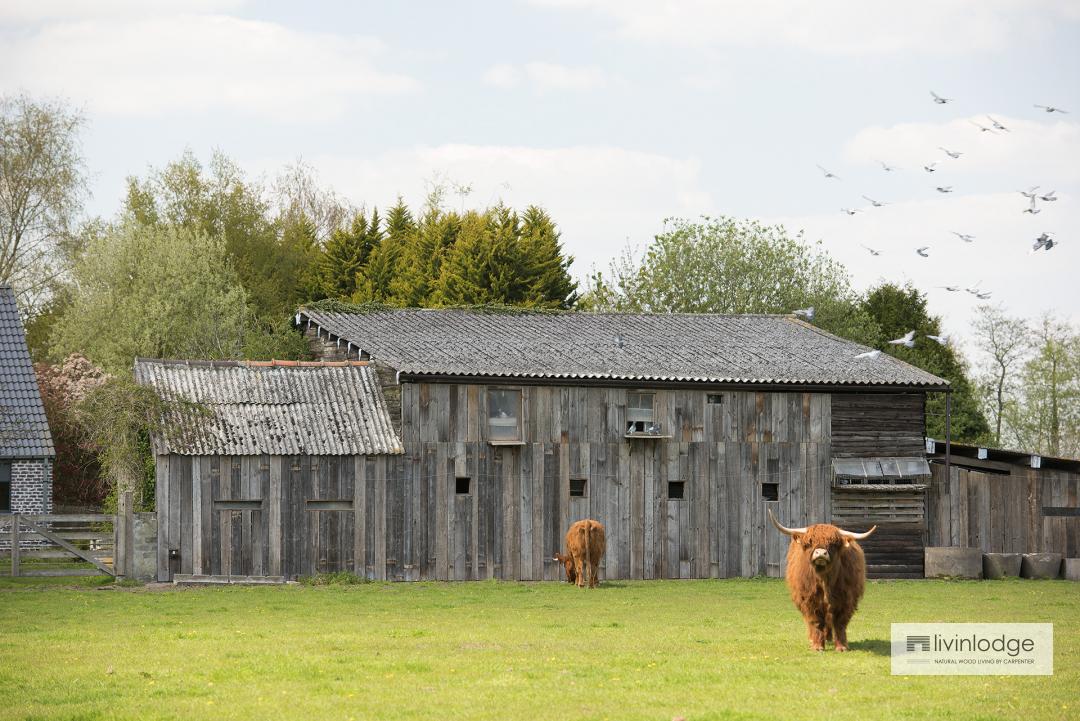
[973, 649]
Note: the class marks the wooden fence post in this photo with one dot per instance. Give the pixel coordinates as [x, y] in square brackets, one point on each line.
[14, 545]
[124, 532]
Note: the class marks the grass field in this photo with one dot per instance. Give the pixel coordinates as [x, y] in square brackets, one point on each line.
[731, 649]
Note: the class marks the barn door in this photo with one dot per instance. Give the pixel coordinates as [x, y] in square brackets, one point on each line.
[239, 522]
[318, 515]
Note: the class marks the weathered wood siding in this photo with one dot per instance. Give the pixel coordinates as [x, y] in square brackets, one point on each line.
[403, 517]
[878, 424]
[1005, 512]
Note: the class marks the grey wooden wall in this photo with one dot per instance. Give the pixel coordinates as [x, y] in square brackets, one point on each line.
[402, 517]
[1021, 511]
[878, 424]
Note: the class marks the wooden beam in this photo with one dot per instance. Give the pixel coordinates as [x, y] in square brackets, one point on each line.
[34, 528]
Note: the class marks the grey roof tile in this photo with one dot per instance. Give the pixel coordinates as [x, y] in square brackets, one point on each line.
[256, 408]
[24, 430]
[697, 348]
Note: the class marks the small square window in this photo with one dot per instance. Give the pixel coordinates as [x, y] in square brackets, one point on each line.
[461, 485]
[578, 487]
[770, 491]
[639, 412]
[715, 399]
[504, 410]
[676, 490]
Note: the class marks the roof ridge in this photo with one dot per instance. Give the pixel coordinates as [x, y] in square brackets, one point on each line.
[526, 311]
[274, 363]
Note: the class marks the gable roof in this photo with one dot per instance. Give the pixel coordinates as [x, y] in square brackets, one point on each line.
[689, 348]
[24, 430]
[253, 408]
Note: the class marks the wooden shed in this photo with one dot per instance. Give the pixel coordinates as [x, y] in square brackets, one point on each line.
[1004, 501]
[675, 431]
[267, 475]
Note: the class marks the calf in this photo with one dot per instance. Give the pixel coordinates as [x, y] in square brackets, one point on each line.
[585, 546]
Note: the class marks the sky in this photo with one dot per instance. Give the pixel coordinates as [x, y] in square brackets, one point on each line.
[614, 115]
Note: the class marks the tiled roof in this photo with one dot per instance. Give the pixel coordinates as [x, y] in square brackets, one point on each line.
[24, 431]
[744, 349]
[251, 408]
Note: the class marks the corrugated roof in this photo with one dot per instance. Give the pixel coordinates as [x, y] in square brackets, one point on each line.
[755, 349]
[24, 430]
[277, 408]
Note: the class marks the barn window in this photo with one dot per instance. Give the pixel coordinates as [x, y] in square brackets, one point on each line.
[770, 491]
[676, 490]
[5, 486]
[578, 487]
[504, 413]
[461, 485]
[715, 398]
[640, 413]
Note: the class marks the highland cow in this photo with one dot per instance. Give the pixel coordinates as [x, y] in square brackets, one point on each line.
[826, 573]
[585, 546]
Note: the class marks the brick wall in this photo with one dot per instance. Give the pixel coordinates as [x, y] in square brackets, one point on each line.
[31, 486]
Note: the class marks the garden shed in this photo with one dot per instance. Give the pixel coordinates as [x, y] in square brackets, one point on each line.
[270, 470]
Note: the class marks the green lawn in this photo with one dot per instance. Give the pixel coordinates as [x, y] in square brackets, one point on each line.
[654, 650]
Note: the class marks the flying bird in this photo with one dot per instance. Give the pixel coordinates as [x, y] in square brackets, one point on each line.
[1029, 193]
[951, 288]
[983, 295]
[908, 340]
[922, 251]
[869, 354]
[1032, 209]
[1051, 109]
[872, 251]
[942, 339]
[886, 167]
[944, 189]
[940, 100]
[963, 236]
[1043, 241]
[807, 313]
[930, 168]
[997, 125]
[951, 153]
[1049, 197]
[982, 128]
[850, 211]
[875, 203]
[827, 173]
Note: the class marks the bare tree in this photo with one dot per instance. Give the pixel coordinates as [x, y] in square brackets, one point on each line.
[42, 187]
[298, 195]
[1007, 342]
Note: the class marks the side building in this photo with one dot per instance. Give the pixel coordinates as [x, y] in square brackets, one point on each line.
[26, 446]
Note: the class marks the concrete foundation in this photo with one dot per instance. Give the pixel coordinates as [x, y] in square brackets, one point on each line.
[1041, 565]
[953, 562]
[1071, 569]
[1001, 565]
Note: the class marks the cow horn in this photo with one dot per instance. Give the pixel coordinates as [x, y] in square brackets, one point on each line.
[785, 529]
[856, 536]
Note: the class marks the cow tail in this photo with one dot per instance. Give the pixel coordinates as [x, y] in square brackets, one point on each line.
[588, 557]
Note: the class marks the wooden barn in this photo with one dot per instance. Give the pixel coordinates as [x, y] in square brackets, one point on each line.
[1004, 501]
[675, 431]
[267, 477]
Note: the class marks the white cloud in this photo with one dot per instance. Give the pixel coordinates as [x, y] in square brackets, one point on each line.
[22, 11]
[198, 63]
[601, 197]
[547, 76]
[829, 26]
[1043, 151]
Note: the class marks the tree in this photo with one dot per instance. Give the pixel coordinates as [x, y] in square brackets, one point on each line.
[299, 194]
[1006, 342]
[897, 310]
[42, 186]
[1046, 418]
[723, 265]
[270, 256]
[375, 282]
[345, 254]
[155, 291]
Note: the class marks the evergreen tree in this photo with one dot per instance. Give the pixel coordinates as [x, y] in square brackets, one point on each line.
[344, 256]
[548, 270]
[421, 257]
[375, 281]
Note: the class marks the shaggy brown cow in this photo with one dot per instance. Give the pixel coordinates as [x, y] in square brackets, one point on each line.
[585, 545]
[826, 573]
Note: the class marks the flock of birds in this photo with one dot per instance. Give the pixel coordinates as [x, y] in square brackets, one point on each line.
[1044, 242]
